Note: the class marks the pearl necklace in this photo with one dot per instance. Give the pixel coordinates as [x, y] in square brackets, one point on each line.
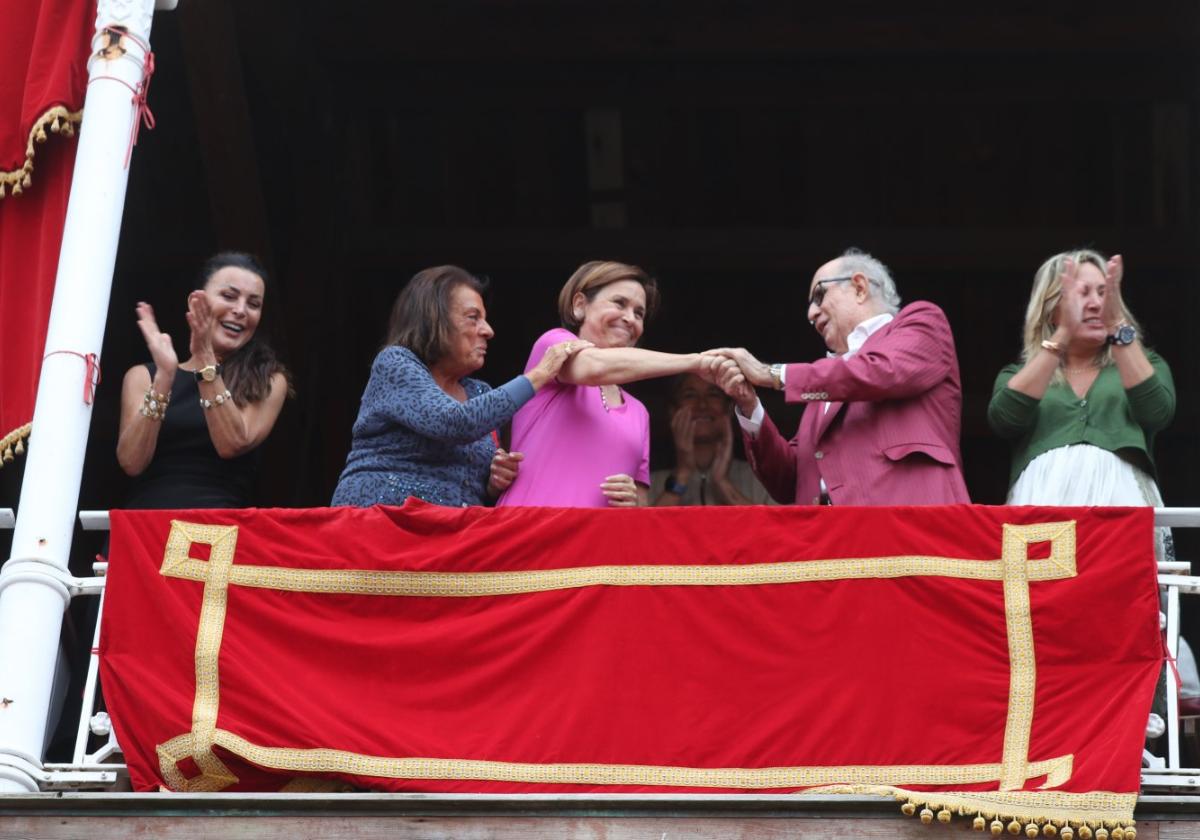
[604, 400]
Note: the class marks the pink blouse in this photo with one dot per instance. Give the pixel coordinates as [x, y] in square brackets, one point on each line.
[572, 442]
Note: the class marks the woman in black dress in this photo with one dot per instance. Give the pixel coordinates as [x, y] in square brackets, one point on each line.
[189, 431]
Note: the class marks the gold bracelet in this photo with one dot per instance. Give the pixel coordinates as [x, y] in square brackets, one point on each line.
[154, 405]
[1052, 346]
[219, 399]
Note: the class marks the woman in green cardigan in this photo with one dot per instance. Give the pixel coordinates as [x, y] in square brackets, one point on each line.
[1083, 406]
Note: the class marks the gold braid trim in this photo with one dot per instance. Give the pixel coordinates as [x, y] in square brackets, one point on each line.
[13, 444]
[59, 120]
[1098, 814]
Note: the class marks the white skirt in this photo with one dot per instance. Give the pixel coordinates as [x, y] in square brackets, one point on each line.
[1082, 475]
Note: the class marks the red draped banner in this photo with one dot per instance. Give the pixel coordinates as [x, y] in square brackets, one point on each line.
[43, 77]
[998, 662]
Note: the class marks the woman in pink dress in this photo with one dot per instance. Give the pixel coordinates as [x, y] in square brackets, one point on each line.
[586, 442]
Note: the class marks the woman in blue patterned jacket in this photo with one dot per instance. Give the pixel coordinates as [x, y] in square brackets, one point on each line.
[425, 428]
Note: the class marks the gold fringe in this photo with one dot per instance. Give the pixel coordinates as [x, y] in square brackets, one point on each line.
[1096, 816]
[13, 444]
[60, 121]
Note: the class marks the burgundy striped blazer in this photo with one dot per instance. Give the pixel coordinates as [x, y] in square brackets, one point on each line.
[891, 434]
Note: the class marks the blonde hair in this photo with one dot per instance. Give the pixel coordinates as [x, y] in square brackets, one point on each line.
[593, 276]
[1046, 294]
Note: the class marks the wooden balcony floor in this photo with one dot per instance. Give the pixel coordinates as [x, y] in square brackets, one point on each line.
[367, 816]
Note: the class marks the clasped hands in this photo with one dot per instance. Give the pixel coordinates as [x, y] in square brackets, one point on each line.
[736, 372]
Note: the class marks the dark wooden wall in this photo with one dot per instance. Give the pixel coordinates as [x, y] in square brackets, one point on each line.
[729, 148]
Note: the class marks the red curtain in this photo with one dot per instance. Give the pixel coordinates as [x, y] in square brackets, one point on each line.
[43, 78]
[998, 660]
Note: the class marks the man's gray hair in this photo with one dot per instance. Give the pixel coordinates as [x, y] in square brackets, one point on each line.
[855, 261]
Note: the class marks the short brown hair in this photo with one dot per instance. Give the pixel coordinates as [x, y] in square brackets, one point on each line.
[421, 314]
[593, 276]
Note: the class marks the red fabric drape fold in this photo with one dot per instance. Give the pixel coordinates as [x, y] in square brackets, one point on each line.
[1001, 660]
[43, 78]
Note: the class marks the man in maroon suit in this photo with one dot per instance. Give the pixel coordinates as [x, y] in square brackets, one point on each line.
[884, 410]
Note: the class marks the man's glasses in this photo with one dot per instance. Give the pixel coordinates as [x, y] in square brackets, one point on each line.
[818, 293]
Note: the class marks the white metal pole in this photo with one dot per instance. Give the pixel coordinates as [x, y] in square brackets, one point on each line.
[33, 590]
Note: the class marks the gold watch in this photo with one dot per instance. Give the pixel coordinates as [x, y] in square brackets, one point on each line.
[208, 373]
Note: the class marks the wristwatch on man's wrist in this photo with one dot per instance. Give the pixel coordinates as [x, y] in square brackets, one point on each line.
[1125, 335]
[776, 371]
[208, 373]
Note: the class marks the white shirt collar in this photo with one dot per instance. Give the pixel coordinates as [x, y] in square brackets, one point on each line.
[859, 335]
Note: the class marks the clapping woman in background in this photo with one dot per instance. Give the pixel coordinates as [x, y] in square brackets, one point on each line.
[190, 431]
[1083, 406]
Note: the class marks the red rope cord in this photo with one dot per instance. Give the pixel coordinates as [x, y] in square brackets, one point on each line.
[91, 376]
[142, 113]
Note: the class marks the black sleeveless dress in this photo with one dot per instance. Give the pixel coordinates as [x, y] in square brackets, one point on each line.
[186, 471]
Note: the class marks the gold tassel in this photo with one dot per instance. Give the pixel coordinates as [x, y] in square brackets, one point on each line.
[17, 437]
[944, 816]
[979, 823]
[1032, 830]
[997, 828]
[1085, 832]
[1067, 833]
[59, 121]
[926, 816]
[908, 809]
[1014, 827]
[1118, 833]
[1050, 829]
[1130, 833]
[1101, 833]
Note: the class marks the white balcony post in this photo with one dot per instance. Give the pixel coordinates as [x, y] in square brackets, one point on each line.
[33, 594]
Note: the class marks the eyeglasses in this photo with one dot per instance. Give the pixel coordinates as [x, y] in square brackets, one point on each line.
[818, 293]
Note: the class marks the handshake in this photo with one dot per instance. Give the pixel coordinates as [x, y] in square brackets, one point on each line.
[736, 372]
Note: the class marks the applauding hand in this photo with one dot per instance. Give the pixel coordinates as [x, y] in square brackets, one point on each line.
[200, 319]
[162, 351]
[1114, 307]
